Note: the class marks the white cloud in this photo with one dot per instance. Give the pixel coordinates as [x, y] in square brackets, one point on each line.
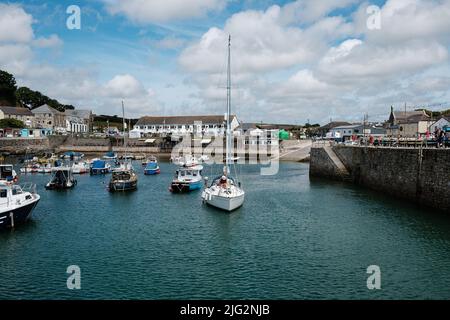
[124, 86]
[15, 24]
[359, 60]
[51, 42]
[408, 20]
[15, 58]
[262, 41]
[312, 10]
[154, 11]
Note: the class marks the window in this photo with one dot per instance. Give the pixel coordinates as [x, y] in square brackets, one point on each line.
[3, 193]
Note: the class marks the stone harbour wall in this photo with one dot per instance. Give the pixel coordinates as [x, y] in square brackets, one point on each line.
[420, 175]
[24, 145]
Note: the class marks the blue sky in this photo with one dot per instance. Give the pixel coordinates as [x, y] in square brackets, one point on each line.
[292, 60]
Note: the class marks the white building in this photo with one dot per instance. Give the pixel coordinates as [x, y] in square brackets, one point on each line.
[442, 123]
[344, 133]
[181, 125]
[78, 121]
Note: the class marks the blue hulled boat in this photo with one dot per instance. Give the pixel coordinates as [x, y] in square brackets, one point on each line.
[187, 178]
[152, 167]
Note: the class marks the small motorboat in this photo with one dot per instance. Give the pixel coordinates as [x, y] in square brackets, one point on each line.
[123, 178]
[72, 155]
[99, 167]
[187, 178]
[16, 205]
[127, 157]
[7, 174]
[110, 156]
[62, 178]
[45, 168]
[80, 168]
[152, 167]
[31, 168]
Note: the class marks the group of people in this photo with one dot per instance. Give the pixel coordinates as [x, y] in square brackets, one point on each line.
[441, 138]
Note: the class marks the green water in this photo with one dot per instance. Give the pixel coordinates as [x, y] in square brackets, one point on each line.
[293, 239]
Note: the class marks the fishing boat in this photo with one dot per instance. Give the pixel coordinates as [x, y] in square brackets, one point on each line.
[16, 205]
[110, 156]
[225, 193]
[152, 167]
[123, 178]
[62, 178]
[187, 179]
[80, 168]
[8, 174]
[99, 167]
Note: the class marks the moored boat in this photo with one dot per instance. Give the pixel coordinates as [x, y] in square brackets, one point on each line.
[123, 178]
[72, 155]
[16, 205]
[187, 178]
[110, 156]
[80, 168]
[62, 178]
[225, 193]
[99, 167]
[8, 174]
[152, 168]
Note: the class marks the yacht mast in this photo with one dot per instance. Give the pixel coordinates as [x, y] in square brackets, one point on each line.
[123, 124]
[229, 137]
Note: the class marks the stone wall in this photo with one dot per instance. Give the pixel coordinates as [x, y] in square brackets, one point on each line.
[24, 145]
[322, 166]
[421, 175]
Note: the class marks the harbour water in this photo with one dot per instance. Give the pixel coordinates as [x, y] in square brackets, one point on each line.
[293, 239]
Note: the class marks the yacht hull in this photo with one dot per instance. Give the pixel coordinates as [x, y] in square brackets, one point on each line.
[224, 203]
[19, 215]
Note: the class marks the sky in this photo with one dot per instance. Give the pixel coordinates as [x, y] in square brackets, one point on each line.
[292, 61]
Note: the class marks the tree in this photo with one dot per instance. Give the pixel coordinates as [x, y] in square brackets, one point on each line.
[7, 88]
[11, 123]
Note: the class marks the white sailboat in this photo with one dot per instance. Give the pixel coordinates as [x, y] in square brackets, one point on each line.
[224, 192]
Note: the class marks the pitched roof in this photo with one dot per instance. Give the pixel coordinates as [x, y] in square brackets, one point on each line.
[45, 109]
[181, 120]
[16, 111]
[335, 124]
[411, 116]
[351, 126]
